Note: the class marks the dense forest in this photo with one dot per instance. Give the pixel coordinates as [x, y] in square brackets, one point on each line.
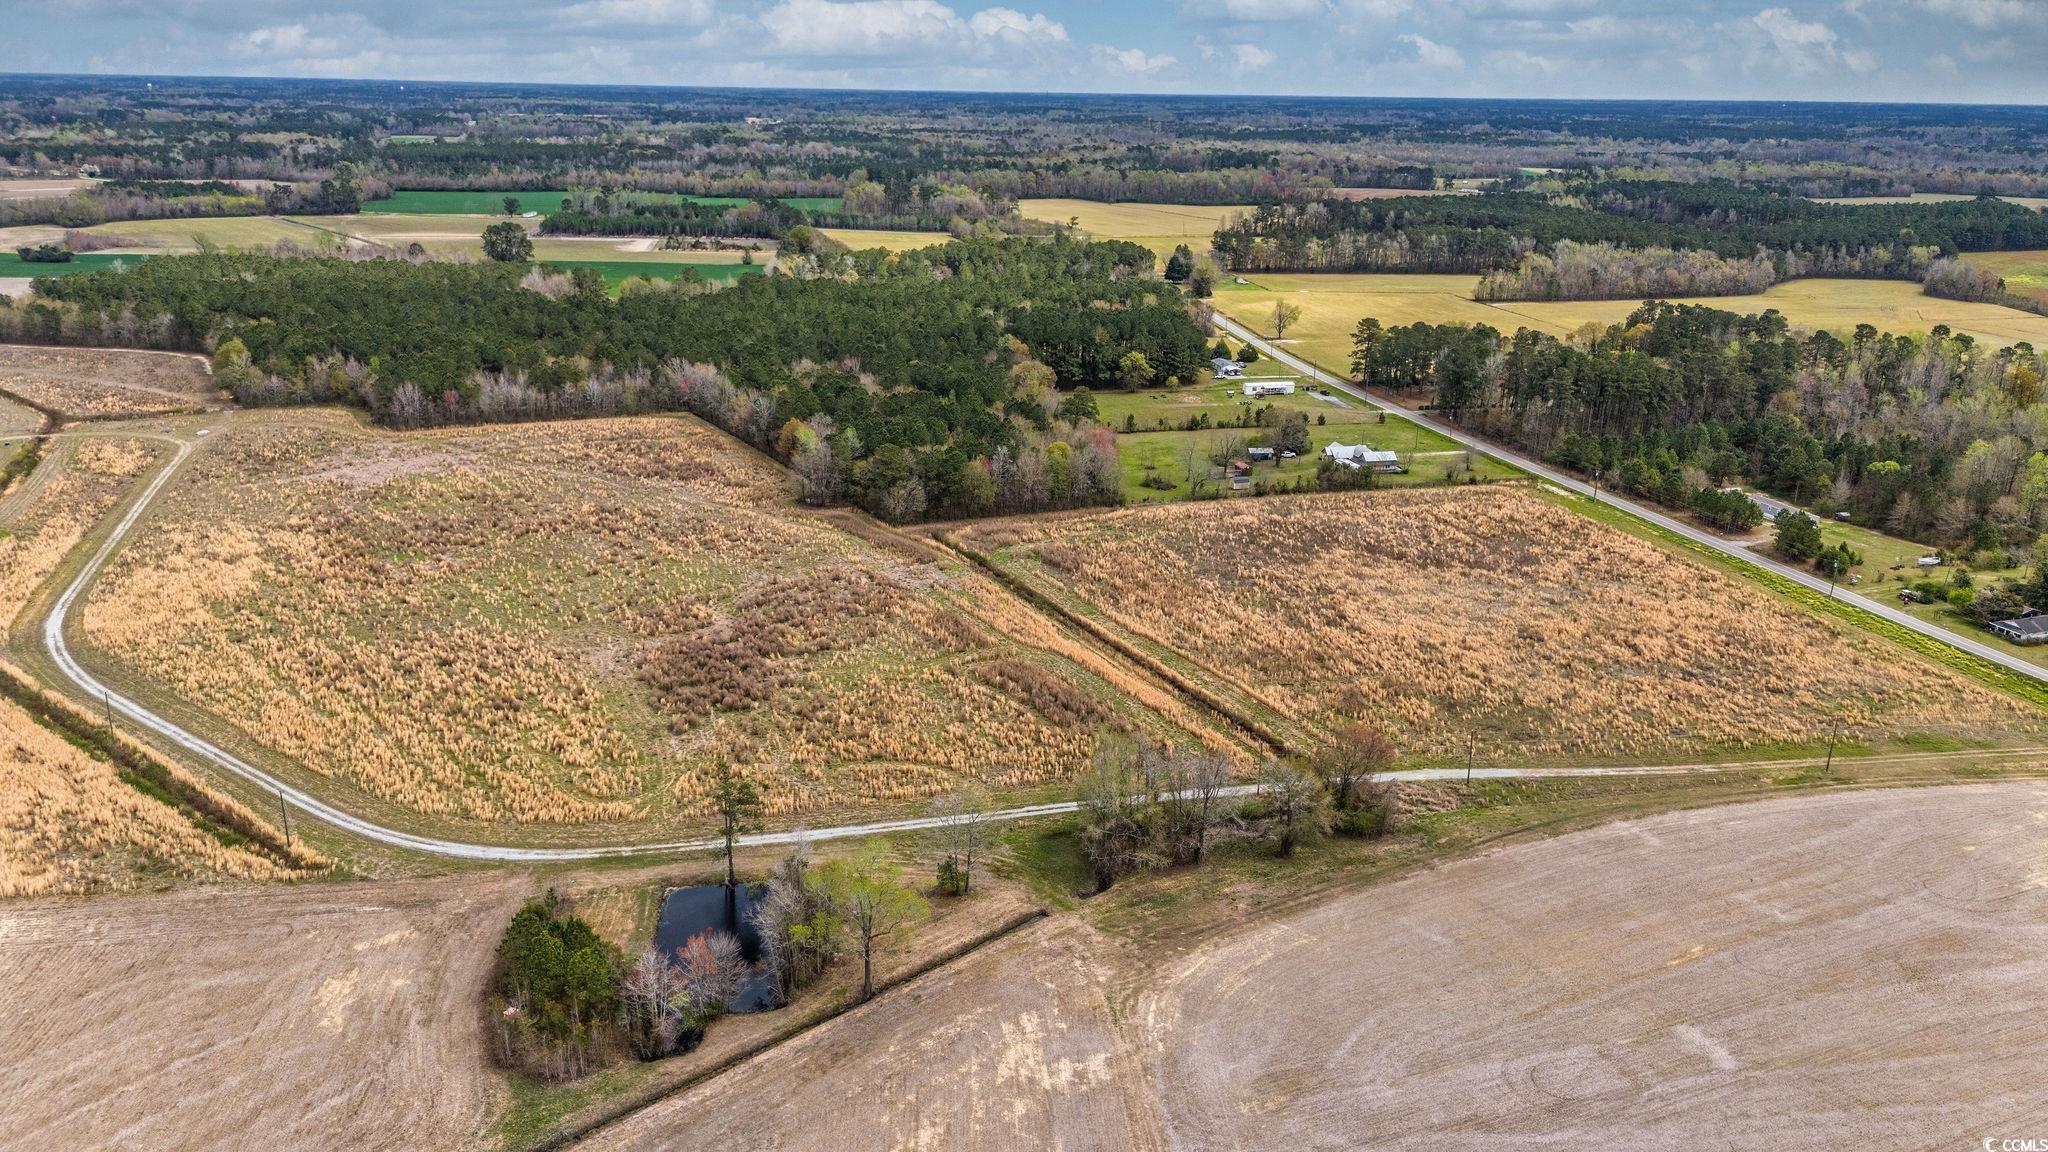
[922, 385]
[1935, 438]
[774, 143]
[1513, 232]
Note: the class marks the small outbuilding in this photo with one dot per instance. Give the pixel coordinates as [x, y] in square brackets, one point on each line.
[1226, 368]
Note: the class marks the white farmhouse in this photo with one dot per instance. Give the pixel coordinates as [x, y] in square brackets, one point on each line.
[1362, 456]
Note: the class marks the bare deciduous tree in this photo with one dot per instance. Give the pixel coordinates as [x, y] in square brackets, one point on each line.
[963, 830]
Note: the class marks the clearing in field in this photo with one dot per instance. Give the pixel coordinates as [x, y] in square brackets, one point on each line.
[580, 622]
[1160, 227]
[2025, 273]
[1484, 619]
[862, 239]
[1159, 453]
[1333, 304]
[98, 383]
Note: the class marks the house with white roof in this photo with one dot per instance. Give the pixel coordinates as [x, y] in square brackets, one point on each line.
[1363, 456]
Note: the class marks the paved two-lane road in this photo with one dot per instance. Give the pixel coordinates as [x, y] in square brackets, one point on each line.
[1698, 536]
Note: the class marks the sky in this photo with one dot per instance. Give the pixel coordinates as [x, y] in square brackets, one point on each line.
[1934, 50]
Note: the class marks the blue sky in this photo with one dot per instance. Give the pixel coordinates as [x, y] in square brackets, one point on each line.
[1949, 50]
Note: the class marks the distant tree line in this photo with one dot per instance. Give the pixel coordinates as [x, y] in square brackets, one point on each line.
[927, 385]
[1498, 232]
[1928, 437]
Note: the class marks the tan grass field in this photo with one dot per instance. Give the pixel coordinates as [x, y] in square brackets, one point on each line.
[47, 514]
[1488, 619]
[1160, 227]
[98, 383]
[2034, 202]
[1332, 305]
[41, 187]
[862, 239]
[581, 622]
[69, 824]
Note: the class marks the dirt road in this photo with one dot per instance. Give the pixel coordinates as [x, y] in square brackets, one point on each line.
[1864, 970]
[336, 1016]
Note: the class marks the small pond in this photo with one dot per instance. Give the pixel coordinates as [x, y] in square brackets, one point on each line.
[687, 912]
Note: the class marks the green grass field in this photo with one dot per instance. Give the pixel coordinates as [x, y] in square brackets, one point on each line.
[2025, 273]
[617, 272]
[1427, 455]
[13, 266]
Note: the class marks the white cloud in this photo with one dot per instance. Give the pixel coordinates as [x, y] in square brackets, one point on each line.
[284, 41]
[1012, 26]
[1801, 47]
[860, 27]
[1431, 54]
[640, 13]
[1135, 61]
[1987, 15]
[1251, 57]
[1521, 63]
[1260, 11]
[922, 28]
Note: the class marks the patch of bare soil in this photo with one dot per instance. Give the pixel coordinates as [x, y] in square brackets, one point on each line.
[1852, 970]
[331, 1016]
[1010, 1048]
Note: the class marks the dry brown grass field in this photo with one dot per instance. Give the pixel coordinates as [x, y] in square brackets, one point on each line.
[580, 622]
[99, 383]
[47, 514]
[70, 824]
[1489, 618]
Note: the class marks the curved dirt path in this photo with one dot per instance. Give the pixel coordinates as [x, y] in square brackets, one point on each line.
[91, 688]
[1855, 970]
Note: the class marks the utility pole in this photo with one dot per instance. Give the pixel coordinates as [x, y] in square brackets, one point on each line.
[287, 810]
[1829, 770]
[1471, 739]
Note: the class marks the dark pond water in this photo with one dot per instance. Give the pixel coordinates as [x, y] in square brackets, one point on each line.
[687, 912]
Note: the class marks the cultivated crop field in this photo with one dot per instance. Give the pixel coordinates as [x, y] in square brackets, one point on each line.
[322, 1015]
[96, 383]
[1868, 963]
[579, 622]
[1484, 618]
[1333, 304]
